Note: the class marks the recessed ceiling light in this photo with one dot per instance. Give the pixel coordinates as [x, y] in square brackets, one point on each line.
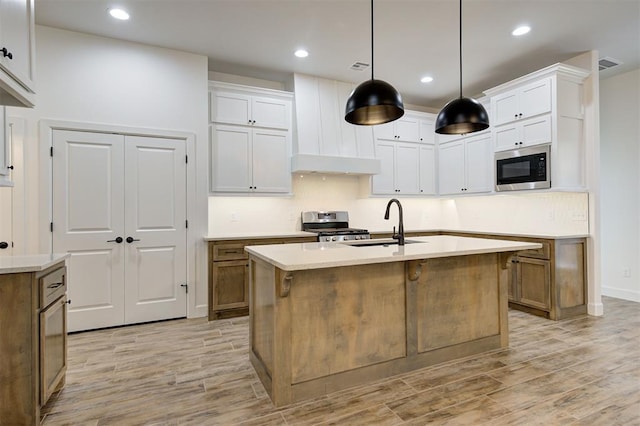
[521, 30]
[301, 53]
[426, 79]
[119, 14]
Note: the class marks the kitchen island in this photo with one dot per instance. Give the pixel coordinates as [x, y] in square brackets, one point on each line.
[327, 316]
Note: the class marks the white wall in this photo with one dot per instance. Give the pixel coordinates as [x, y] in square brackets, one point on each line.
[620, 183]
[88, 79]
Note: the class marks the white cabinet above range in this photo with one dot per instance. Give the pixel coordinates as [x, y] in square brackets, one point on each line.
[17, 53]
[413, 126]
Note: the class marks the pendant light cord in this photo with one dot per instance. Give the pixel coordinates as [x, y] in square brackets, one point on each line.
[460, 49]
[371, 39]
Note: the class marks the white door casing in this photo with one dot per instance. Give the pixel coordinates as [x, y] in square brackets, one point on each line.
[106, 187]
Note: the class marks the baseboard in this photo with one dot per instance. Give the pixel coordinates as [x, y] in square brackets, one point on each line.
[621, 293]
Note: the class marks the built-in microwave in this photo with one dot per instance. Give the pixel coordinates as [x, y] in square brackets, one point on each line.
[524, 168]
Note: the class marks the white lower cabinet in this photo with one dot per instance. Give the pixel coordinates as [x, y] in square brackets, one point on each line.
[406, 168]
[465, 165]
[249, 160]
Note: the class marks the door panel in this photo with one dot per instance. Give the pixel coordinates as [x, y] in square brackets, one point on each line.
[230, 157]
[155, 215]
[6, 220]
[271, 165]
[88, 211]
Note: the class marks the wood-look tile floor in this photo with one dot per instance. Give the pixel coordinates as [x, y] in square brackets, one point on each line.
[584, 371]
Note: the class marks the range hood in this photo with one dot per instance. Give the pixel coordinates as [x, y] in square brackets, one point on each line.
[305, 163]
[323, 141]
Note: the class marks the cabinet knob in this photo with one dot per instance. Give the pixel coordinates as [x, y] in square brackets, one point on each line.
[4, 245]
[6, 53]
[10, 167]
[69, 302]
[520, 115]
[515, 116]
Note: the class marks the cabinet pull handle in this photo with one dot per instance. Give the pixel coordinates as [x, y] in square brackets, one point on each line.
[54, 285]
[6, 53]
[131, 239]
[117, 240]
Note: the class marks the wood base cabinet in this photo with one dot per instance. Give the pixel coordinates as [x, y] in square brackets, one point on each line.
[229, 275]
[33, 345]
[550, 281]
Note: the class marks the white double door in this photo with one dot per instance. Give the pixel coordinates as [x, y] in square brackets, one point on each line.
[119, 209]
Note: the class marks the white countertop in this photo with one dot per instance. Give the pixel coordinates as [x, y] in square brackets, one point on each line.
[551, 236]
[33, 263]
[301, 256]
[258, 235]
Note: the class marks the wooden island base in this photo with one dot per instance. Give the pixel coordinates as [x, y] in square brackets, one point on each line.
[317, 331]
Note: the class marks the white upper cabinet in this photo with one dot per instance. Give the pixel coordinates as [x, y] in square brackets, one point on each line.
[465, 165]
[249, 160]
[250, 139]
[406, 169]
[522, 103]
[413, 126]
[234, 104]
[17, 53]
[544, 107]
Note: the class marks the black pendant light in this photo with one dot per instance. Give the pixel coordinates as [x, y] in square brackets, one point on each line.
[374, 101]
[462, 115]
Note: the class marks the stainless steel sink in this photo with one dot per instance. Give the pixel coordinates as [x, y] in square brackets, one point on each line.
[385, 242]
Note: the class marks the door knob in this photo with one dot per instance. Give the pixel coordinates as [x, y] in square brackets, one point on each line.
[4, 244]
[117, 240]
[131, 239]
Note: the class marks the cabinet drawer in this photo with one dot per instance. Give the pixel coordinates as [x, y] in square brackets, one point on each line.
[230, 251]
[543, 252]
[52, 286]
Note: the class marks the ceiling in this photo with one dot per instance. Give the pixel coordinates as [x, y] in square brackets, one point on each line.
[413, 38]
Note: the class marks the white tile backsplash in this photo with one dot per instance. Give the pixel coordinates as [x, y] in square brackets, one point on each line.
[522, 212]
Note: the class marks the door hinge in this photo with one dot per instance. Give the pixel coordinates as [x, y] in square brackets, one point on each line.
[51, 152]
[51, 226]
[186, 287]
[186, 223]
[186, 159]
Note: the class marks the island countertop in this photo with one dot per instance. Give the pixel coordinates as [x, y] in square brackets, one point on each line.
[304, 256]
[31, 263]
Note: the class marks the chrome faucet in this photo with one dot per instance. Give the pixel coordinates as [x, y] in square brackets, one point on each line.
[400, 235]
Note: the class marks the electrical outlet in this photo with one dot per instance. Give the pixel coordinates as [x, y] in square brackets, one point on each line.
[234, 217]
[626, 272]
[579, 216]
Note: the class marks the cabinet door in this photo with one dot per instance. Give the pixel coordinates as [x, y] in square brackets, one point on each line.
[383, 183]
[451, 167]
[16, 23]
[507, 136]
[407, 168]
[230, 108]
[230, 159]
[270, 112]
[427, 169]
[53, 347]
[385, 131]
[479, 161]
[505, 107]
[408, 128]
[230, 285]
[536, 130]
[271, 167]
[533, 282]
[535, 98]
[427, 131]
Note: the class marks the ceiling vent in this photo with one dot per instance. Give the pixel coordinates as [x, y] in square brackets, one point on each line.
[608, 62]
[359, 66]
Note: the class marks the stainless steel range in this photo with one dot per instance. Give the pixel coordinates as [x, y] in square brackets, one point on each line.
[332, 226]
